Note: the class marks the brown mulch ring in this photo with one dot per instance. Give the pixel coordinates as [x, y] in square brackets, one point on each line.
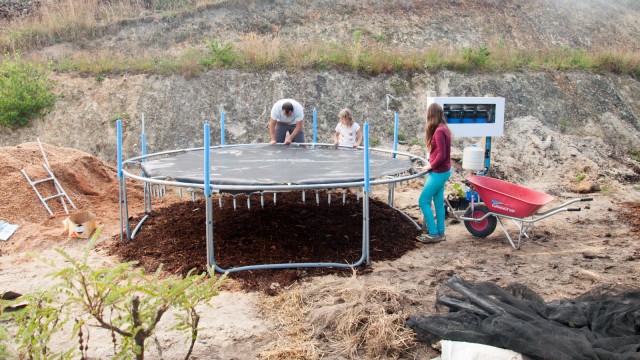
[290, 231]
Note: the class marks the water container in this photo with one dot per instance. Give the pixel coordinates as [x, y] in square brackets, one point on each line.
[453, 116]
[468, 117]
[473, 158]
[482, 116]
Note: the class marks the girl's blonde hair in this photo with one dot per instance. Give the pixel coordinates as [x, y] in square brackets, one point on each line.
[347, 115]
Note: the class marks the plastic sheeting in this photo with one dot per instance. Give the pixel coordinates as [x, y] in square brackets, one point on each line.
[275, 165]
[601, 324]
[459, 350]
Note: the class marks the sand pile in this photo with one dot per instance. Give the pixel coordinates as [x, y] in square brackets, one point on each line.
[91, 184]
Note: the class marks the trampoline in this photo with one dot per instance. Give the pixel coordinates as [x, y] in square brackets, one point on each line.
[261, 168]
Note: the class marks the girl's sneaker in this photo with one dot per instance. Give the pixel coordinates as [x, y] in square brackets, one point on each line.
[426, 238]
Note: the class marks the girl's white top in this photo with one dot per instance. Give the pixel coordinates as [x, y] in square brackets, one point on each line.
[347, 134]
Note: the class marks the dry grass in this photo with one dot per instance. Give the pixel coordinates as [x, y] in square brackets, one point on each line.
[74, 20]
[78, 21]
[344, 317]
[260, 52]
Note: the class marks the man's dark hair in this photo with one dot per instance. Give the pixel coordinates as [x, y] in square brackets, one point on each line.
[287, 107]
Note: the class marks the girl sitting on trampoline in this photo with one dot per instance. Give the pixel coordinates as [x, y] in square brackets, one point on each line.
[347, 131]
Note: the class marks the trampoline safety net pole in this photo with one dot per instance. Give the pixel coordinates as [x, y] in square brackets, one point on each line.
[122, 189]
[315, 124]
[365, 196]
[222, 128]
[395, 134]
[143, 146]
[395, 150]
[207, 194]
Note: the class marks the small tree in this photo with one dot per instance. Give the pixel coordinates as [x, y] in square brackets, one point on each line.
[121, 299]
[35, 324]
[130, 304]
[24, 91]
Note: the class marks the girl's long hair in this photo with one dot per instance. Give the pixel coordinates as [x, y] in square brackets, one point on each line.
[435, 118]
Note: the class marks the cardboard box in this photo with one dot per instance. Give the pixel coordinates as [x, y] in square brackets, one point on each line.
[80, 225]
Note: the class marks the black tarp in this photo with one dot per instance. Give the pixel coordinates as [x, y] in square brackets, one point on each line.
[601, 324]
[275, 165]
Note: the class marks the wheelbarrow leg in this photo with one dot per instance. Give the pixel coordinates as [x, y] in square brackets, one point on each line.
[509, 236]
[522, 227]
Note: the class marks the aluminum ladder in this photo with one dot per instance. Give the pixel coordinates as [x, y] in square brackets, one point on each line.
[60, 191]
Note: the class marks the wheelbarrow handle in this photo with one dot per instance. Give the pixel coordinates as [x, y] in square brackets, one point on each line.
[587, 199]
[574, 209]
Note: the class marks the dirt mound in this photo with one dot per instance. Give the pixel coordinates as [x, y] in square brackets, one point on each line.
[290, 231]
[91, 184]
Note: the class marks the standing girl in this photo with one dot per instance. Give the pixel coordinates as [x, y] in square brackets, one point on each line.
[438, 138]
[347, 132]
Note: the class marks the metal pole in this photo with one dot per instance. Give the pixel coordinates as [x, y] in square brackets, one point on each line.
[222, 128]
[365, 195]
[207, 194]
[487, 154]
[395, 135]
[147, 192]
[315, 119]
[395, 149]
[124, 214]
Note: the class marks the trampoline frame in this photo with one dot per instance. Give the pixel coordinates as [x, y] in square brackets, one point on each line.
[208, 188]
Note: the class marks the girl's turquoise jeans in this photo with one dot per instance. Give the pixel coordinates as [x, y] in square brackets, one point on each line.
[434, 191]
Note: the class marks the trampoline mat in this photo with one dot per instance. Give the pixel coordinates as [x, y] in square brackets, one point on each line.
[274, 165]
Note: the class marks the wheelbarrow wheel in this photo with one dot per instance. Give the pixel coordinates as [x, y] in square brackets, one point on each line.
[482, 228]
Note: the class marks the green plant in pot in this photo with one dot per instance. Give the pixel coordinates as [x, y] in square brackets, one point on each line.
[457, 198]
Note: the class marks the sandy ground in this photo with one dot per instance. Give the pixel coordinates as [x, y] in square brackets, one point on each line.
[570, 253]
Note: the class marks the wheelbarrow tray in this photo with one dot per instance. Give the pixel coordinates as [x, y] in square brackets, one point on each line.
[505, 198]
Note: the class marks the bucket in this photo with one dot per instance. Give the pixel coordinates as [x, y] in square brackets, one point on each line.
[473, 158]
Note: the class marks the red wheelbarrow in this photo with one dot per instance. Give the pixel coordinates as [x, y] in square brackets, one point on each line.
[504, 200]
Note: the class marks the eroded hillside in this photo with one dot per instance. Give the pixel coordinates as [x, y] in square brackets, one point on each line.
[557, 120]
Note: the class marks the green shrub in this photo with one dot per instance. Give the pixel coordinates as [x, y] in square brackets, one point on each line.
[635, 154]
[476, 59]
[564, 123]
[24, 92]
[220, 54]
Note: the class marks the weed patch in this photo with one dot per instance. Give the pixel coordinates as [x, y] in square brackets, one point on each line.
[25, 92]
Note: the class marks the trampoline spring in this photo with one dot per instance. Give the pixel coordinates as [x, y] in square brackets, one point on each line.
[303, 197]
[249, 202]
[234, 202]
[274, 198]
[344, 197]
[317, 199]
[329, 198]
[220, 201]
[180, 192]
[358, 196]
[262, 199]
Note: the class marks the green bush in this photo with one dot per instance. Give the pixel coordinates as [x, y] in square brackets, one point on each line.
[476, 59]
[91, 297]
[220, 54]
[24, 92]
